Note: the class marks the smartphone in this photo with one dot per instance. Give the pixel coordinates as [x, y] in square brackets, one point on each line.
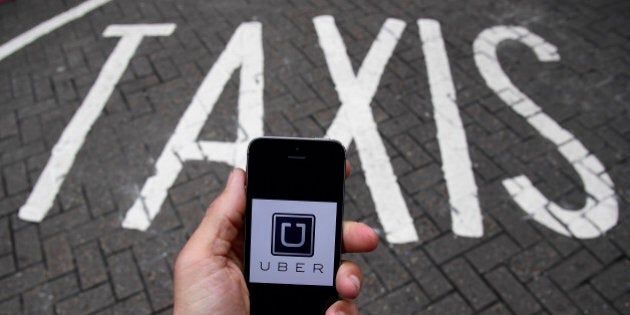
[294, 212]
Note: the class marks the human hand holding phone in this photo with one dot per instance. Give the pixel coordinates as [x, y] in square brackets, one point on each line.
[208, 271]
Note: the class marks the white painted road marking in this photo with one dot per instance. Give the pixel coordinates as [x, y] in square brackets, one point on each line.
[73, 136]
[48, 26]
[354, 120]
[601, 210]
[456, 165]
[244, 50]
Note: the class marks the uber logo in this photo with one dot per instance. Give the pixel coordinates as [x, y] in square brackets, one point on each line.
[293, 234]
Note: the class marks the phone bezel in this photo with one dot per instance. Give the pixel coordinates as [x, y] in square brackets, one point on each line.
[276, 152]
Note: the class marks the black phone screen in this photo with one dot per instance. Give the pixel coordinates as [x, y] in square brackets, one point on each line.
[293, 224]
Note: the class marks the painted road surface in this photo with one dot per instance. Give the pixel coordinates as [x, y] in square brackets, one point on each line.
[489, 144]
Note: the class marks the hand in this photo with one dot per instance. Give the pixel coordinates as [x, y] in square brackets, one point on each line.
[208, 271]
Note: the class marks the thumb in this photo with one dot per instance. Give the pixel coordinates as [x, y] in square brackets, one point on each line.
[223, 220]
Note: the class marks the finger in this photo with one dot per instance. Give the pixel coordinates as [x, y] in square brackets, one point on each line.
[348, 168]
[358, 237]
[343, 307]
[223, 218]
[349, 280]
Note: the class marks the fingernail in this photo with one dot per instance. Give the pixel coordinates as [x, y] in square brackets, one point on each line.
[340, 313]
[356, 282]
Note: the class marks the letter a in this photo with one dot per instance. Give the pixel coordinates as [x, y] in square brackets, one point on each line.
[244, 50]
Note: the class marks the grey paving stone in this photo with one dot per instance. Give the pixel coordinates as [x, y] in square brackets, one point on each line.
[15, 178]
[496, 309]
[534, 261]
[451, 304]
[90, 265]
[41, 299]
[468, 282]
[27, 246]
[392, 275]
[405, 300]
[124, 273]
[428, 275]
[613, 281]
[21, 280]
[7, 265]
[441, 252]
[59, 258]
[493, 252]
[517, 298]
[6, 245]
[569, 273]
[10, 306]
[589, 301]
[87, 301]
[551, 297]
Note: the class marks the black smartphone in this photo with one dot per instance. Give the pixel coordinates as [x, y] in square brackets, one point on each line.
[295, 190]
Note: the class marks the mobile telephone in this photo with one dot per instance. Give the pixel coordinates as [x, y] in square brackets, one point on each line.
[295, 190]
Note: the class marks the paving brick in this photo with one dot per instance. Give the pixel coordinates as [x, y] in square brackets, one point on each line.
[603, 249]
[422, 178]
[27, 246]
[8, 125]
[87, 301]
[590, 302]
[21, 280]
[41, 299]
[10, 306]
[533, 261]
[623, 304]
[159, 283]
[124, 273]
[7, 265]
[491, 253]
[6, 245]
[577, 268]
[428, 275]
[614, 281]
[621, 237]
[451, 304]
[468, 282]
[515, 223]
[15, 178]
[392, 275]
[59, 258]
[64, 221]
[404, 300]
[512, 292]
[90, 265]
[441, 252]
[138, 304]
[496, 309]
[551, 297]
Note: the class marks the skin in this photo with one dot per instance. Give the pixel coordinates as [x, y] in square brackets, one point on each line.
[209, 269]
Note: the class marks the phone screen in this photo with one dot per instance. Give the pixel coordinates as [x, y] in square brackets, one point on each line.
[293, 223]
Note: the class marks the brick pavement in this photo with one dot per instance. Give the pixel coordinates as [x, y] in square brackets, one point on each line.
[80, 260]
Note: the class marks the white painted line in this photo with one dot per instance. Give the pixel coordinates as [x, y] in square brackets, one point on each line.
[48, 26]
[456, 165]
[244, 50]
[355, 121]
[73, 136]
[601, 211]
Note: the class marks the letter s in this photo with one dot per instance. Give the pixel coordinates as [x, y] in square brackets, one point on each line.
[601, 211]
